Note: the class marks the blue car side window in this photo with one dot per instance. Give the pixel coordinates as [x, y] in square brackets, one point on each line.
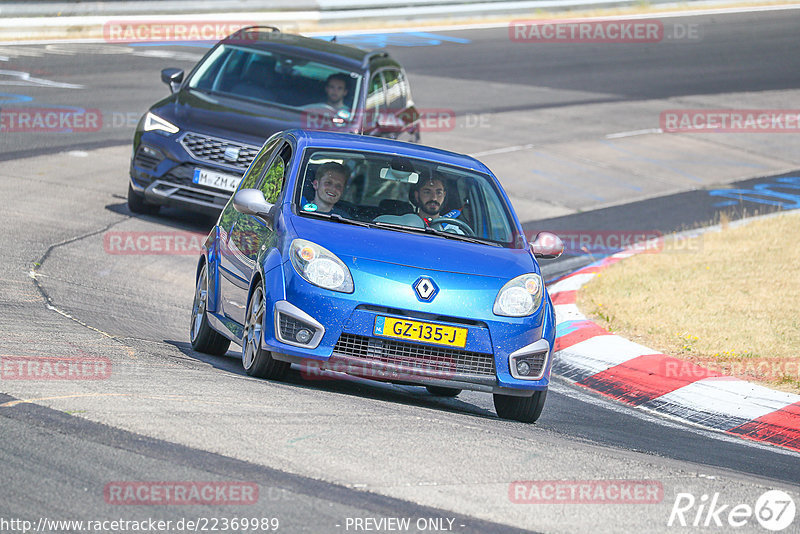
[274, 178]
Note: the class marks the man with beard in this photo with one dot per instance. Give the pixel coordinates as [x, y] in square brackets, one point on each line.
[429, 196]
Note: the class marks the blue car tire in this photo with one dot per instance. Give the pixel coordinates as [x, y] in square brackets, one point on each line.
[255, 360]
[523, 409]
[203, 337]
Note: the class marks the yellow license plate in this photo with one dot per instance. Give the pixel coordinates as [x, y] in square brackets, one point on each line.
[450, 336]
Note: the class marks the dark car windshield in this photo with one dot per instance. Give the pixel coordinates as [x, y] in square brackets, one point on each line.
[403, 194]
[290, 81]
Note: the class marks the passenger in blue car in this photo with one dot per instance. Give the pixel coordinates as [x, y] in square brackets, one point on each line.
[329, 182]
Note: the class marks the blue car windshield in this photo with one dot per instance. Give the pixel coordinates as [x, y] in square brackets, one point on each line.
[323, 93]
[403, 194]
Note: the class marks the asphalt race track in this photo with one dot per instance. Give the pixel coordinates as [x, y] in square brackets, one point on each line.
[570, 130]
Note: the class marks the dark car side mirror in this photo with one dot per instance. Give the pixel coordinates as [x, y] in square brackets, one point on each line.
[252, 202]
[547, 246]
[172, 77]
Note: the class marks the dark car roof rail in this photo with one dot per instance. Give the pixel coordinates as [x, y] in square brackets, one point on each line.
[373, 54]
[241, 31]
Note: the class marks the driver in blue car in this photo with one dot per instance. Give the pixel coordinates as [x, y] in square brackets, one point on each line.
[429, 195]
[329, 182]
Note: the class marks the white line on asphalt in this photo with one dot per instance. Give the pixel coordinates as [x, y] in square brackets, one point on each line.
[504, 150]
[25, 79]
[633, 133]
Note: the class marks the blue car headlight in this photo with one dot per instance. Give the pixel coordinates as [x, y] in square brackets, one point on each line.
[154, 123]
[320, 266]
[520, 297]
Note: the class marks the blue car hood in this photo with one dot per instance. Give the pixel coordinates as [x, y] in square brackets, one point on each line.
[421, 251]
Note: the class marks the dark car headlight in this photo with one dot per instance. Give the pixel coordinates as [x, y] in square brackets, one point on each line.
[520, 297]
[154, 123]
[321, 267]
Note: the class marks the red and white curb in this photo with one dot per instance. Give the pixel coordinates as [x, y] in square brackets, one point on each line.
[636, 375]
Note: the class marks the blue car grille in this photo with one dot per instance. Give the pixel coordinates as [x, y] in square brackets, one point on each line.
[213, 149]
[440, 359]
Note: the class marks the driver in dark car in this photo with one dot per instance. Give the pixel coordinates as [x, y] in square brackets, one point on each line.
[336, 91]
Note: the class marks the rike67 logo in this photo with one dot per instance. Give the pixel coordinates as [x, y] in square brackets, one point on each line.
[774, 510]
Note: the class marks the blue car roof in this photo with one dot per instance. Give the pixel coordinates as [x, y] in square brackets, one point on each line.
[323, 139]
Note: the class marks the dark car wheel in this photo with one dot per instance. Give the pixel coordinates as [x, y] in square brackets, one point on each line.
[203, 337]
[137, 203]
[524, 409]
[440, 391]
[256, 361]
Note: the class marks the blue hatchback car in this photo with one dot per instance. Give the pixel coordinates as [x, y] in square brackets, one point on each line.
[380, 259]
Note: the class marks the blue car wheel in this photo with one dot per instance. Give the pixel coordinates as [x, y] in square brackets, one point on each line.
[255, 360]
[203, 337]
[524, 409]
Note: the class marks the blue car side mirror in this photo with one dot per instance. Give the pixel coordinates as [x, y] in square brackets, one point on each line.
[252, 202]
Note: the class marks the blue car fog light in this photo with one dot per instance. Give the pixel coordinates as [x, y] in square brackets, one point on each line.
[295, 327]
[303, 336]
[530, 362]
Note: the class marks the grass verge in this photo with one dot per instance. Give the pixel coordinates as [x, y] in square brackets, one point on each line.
[731, 304]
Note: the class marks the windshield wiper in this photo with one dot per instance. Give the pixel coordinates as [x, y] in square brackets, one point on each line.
[400, 227]
[434, 231]
[460, 237]
[338, 218]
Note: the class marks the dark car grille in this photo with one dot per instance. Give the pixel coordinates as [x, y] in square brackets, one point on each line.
[213, 149]
[441, 359]
[146, 161]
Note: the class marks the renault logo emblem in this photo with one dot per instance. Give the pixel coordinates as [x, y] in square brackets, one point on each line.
[425, 288]
[231, 153]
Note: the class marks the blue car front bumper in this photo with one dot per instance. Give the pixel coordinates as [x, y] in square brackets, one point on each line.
[343, 326]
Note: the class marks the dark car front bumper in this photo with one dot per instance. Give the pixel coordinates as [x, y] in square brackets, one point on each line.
[163, 168]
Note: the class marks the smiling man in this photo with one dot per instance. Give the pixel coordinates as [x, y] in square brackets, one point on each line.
[329, 183]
